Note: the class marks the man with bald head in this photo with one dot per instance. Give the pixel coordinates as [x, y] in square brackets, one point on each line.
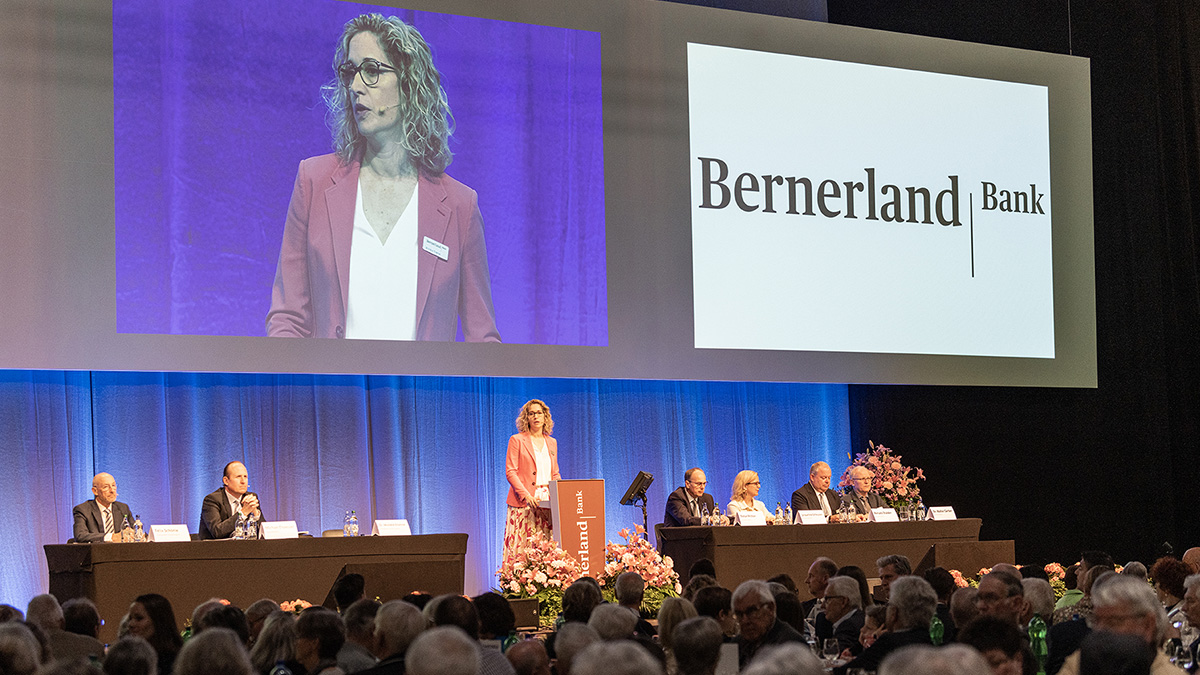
[686, 504]
[219, 513]
[815, 495]
[100, 519]
[860, 493]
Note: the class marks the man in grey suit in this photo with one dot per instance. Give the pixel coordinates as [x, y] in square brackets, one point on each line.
[101, 518]
[860, 493]
[809, 496]
[218, 513]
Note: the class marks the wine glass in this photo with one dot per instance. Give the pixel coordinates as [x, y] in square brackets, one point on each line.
[831, 649]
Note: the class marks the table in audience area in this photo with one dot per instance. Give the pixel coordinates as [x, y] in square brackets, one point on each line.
[741, 553]
[189, 573]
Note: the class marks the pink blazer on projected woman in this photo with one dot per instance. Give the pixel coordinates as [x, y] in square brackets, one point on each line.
[521, 468]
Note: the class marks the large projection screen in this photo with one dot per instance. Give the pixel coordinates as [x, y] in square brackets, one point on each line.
[929, 217]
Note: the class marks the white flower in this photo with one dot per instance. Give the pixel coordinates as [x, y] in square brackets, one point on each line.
[514, 586]
[540, 577]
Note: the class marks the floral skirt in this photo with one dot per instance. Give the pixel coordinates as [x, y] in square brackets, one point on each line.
[519, 527]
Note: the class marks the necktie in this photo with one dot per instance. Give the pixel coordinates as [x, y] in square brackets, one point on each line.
[824, 503]
[695, 508]
[108, 524]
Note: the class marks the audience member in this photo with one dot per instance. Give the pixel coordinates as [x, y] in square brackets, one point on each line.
[455, 610]
[925, 660]
[630, 589]
[787, 659]
[225, 616]
[673, 612]
[962, 606]
[20, 653]
[45, 612]
[890, 567]
[75, 666]
[843, 617]
[496, 618]
[1082, 608]
[788, 607]
[819, 573]
[397, 625]
[276, 643]
[1039, 600]
[943, 585]
[256, 616]
[874, 624]
[703, 566]
[1001, 595]
[1136, 569]
[572, 639]
[614, 622]
[1191, 609]
[786, 581]
[349, 589]
[579, 600]
[754, 608]
[1108, 654]
[911, 606]
[1168, 575]
[131, 656]
[10, 613]
[695, 584]
[715, 602]
[43, 644]
[152, 619]
[864, 589]
[203, 608]
[355, 654]
[528, 657]
[81, 617]
[1000, 642]
[623, 657]
[696, 643]
[320, 634]
[216, 651]
[444, 650]
[418, 599]
[1127, 606]
[1192, 558]
[1071, 580]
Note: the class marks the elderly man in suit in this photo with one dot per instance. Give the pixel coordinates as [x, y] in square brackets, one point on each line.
[687, 503]
[815, 495]
[219, 513]
[860, 494]
[101, 518]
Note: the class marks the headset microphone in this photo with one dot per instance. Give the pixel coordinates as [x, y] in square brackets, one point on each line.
[380, 111]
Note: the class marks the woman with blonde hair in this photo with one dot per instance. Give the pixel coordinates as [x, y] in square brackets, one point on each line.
[673, 612]
[745, 490]
[530, 463]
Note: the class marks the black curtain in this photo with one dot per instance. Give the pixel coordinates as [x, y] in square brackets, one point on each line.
[1060, 470]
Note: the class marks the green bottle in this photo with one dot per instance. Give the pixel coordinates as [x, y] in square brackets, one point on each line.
[937, 631]
[1037, 641]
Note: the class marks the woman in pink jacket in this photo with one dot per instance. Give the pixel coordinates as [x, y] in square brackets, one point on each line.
[530, 464]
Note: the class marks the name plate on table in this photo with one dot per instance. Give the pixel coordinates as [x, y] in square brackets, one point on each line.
[391, 528]
[884, 515]
[811, 517]
[755, 517]
[169, 533]
[280, 529]
[942, 513]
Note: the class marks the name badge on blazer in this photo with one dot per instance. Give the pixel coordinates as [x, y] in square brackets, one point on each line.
[436, 247]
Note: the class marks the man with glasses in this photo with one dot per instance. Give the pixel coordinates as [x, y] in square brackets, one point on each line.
[843, 617]
[1127, 605]
[815, 495]
[754, 608]
[1001, 595]
[686, 504]
[860, 493]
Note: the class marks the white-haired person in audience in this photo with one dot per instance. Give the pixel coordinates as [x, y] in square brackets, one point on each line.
[355, 654]
[444, 650]
[927, 660]
[842, 618]
[786, 659]
[397, 625]
[573, 638]
[528, 657]
[47, 614]
[216, 651]
[630, 590]
[1191, 609]
[911, 606]
[131, 656]
[622, 657]
[754, 608]
[1127, 606]
[20, 651]
[1039, 600]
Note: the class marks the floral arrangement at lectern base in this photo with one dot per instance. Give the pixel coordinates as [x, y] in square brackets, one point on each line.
[542, 570]
[895, 483]
[637, 555]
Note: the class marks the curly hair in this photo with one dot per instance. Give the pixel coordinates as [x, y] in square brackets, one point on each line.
[740, 483]
[425, 117]
[523, 417]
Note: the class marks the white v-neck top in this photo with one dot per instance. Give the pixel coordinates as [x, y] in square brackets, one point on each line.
[381, 303]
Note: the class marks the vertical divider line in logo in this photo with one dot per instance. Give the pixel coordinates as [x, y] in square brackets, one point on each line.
[971, 220]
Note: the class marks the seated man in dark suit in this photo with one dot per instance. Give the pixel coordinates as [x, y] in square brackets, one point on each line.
[219, 513]
[843, 617]
[910, 609]
[754, 608]
[686, 504]
[809, 496]
[101, 519]
[860, 494]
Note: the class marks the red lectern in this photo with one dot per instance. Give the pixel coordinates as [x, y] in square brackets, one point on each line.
[577, 516]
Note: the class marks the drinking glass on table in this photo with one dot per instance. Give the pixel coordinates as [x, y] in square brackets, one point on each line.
[831, 649]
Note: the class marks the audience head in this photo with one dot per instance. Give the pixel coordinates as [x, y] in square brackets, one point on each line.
[786, 581]
[1071, 576]
[696, 643]
[418, 599]
[216, 651]
[911, 604]
[528, 657]
[891, 567]
[613, 622]
[841, 598]
[1089, 559]
[257, 613]
[359, 618]
[204, 608]
[152, 619]
[629, 589]
[579, 600]
[1039, 599]
[1191, 599]
[1192, 558]
[496, 617]
[1091, 576]
[45, 612]
[276, 641]
[952, 659]
[349, 589]
[673, 612]
[81, 616]
[1002, 595]
[444, 650]
[786, 659]
[623, 657]
[819, 476]
[1007, 568]
[819, 573]
[1108, 654]
[788, 608]
[455, 610]
[397, 624]
[754, 608]
[703, 566]
[1127, 605]
[999, 641]
[43, 641]
[1168, 574]
[320, 634]
[695, 584]
[225, 616]
[1034, 572]
[572, 639]
[715, 603]
[875, 621]
[864, 589]
[20, 652]
[10, 613]
[942, 582]
[131, 656]
[1136, 569]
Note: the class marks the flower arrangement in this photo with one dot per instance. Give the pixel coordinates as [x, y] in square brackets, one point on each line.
[1055, 571]
[295, 606]
[895, 483]
[542, 571]
[637, 555]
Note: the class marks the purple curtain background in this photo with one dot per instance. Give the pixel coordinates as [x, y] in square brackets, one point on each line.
[216, 103]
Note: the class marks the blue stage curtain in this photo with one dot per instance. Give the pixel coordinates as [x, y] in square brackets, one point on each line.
[429, 449]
